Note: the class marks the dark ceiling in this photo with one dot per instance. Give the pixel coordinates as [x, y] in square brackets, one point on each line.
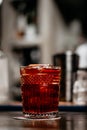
[24, 6]
[74, 9]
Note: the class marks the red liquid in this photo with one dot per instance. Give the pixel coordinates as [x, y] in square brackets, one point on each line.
[40, 90]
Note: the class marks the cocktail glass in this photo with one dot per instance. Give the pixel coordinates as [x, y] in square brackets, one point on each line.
[40, 87]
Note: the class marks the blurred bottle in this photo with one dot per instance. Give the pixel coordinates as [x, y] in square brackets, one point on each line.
[81, 51]
[21, 25]
[80, 85]
[80, 88]
[69, 64]
[4, 78]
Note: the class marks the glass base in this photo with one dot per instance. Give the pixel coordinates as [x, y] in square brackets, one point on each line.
[46, 116]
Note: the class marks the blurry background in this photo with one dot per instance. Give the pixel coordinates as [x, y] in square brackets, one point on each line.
[33, 31]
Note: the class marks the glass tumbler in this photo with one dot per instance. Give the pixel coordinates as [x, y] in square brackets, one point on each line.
[40, 87]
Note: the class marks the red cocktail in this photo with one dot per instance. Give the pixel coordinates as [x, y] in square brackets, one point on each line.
[40, 84]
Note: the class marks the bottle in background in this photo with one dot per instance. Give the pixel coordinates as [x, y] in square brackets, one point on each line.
[4, 78]
[80, 88]
[80, 85]
[69, 65]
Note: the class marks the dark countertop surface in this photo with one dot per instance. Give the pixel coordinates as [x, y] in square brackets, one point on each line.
[68, 121]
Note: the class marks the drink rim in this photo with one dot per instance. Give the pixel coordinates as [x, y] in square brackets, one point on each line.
[37, 66]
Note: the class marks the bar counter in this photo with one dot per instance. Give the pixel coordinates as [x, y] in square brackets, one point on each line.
[72, 117]
[68, 121]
